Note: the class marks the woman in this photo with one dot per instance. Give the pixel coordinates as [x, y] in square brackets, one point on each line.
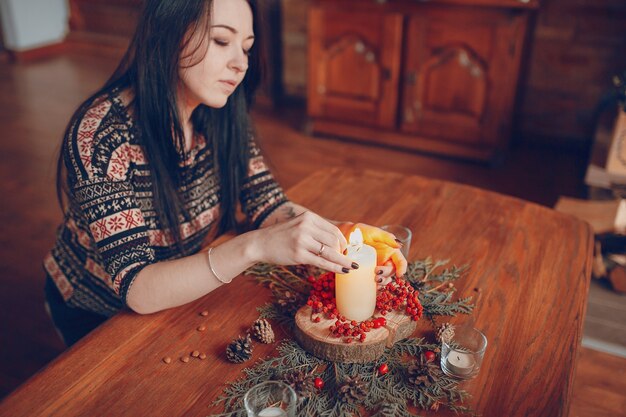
[159, 157]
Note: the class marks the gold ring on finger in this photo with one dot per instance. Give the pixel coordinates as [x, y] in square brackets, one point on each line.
[321, 251]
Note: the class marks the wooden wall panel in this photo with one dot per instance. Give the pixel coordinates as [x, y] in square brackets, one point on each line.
[295, 72]
[576, 49]
[106, 17]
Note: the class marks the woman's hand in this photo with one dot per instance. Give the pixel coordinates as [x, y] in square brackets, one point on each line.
[305, 239]
[388, 255]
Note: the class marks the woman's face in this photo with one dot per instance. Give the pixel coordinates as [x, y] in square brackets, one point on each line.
[210, 73]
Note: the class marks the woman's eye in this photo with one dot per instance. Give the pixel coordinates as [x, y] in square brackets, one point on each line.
[220, 42]
[247, 52]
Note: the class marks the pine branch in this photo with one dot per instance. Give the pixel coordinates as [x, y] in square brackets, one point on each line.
[388, 395]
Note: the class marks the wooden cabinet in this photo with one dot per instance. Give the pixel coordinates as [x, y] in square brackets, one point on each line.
[354, 65]
[432, 76]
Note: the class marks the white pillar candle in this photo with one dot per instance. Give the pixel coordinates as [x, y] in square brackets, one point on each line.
[356, 291]
[460, 363]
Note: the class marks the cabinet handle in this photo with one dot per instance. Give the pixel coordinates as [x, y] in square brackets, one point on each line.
[386, 74]
[408, 115]
[410, 77]
[417, 105]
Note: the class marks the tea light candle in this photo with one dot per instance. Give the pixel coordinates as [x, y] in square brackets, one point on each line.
[272, 412]
[460, 363]
[356, 291]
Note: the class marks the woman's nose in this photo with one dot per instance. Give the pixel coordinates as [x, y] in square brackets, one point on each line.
[240, 62]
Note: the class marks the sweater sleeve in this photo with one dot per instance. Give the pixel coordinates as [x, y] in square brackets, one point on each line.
[99, 156]
[260, 194]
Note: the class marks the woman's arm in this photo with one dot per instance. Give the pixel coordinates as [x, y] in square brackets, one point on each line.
[294, 239]
[283, 213]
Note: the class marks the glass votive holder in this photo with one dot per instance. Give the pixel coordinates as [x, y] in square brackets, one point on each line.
[403, 234]
[462, 355]
[271, 399]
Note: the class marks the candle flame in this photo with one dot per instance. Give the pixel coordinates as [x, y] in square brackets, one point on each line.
[355, 241]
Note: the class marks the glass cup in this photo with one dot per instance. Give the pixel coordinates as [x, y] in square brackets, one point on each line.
[270, 399]
[403, 234]
[462, 356]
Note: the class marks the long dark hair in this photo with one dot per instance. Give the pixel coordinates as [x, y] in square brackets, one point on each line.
[150, 68]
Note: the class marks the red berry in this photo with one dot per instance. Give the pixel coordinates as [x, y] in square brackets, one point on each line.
[383, 369]
[430, 355]
[319, 383]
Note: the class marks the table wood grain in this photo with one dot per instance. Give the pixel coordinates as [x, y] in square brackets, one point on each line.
[531, 263]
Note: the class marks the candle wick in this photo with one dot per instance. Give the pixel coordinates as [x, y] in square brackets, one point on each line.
[458, 358]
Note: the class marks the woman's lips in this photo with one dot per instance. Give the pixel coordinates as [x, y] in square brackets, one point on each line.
[228, 85]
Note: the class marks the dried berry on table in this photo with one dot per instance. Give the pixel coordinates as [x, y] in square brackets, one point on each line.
[167, 359]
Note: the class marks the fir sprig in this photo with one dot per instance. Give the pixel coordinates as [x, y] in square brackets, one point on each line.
[387, 395]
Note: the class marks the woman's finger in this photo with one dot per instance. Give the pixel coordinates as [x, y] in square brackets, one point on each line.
[322, 262]
[327, 227]
[399, 262]
[324, 249]
[338, 258]
[384, 271]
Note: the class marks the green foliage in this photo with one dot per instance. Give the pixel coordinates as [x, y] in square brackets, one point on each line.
[387, 395]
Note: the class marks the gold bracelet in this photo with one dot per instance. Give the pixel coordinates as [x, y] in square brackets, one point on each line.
[213, 270]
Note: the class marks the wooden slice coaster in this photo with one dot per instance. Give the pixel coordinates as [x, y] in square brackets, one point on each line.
[316, 338]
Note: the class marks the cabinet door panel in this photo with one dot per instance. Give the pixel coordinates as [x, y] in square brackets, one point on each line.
[459, 64]
[354, 65]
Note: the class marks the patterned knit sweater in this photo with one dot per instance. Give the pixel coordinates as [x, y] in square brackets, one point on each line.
[111, 230]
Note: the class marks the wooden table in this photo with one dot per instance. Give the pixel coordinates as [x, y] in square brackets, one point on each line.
[531, 263]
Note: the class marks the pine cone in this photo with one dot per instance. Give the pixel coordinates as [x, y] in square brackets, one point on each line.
[240, 349]
[262, 330]
[445, 333]
[289, 302]
[353, 390]
[423, 373]
[301, 382]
